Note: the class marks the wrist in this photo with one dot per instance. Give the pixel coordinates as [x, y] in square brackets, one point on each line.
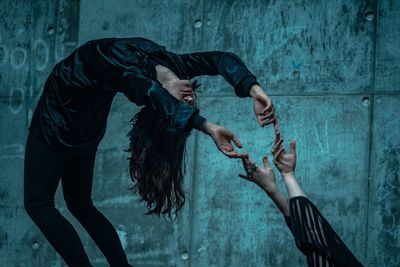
[288, 175]
[270, 191]
[206, 127]
[256, 90]
[268, 187]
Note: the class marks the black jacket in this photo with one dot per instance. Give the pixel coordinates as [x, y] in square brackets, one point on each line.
[73, 108]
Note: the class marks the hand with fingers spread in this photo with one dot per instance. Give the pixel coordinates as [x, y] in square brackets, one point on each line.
[263, 177]
[223, 139]
[285, 162]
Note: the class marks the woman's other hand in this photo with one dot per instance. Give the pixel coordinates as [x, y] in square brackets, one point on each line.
[223, 139]
[285, 162]
[263, 177]
[263, 107]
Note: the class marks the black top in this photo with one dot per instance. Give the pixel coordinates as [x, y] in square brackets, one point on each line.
[73, 108]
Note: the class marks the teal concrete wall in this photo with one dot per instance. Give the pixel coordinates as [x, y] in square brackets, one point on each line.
[332, 69]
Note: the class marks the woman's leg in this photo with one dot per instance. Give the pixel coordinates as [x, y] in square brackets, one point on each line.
[42, 172]
[76, 181]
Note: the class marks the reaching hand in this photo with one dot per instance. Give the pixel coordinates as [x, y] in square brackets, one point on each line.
[264, 110]
[223, 138]
[285, 162]
[263, 177]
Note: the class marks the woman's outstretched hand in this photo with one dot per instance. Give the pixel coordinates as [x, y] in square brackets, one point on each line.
[285, 162]
[223, 139]
[263, 177]
[263, 107]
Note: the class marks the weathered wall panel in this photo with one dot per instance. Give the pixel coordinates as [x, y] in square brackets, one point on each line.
[294, 46]
[384, 219]
[25, 52]
[388, 47]
[151, 19]
[15, 37]
[12, 155]
[235, 224]
[348, 145]
[21, 244]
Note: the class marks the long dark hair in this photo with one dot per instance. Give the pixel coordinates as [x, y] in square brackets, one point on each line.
[156, 162]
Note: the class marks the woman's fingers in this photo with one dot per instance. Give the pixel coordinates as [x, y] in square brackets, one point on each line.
[245, 164]
[278, 145]
[278, 155]
[249, 160]
[244, 177]
[266, 162]
[276, 127]
[293, 147]
[269, 122]
[236, 141]
[277, 137]
[266, 122]
[239, 155]
[268, 107]
[246, 161]
[227, 150]
[233, 154]
[268, 116]
[230, 154]
[187, 93]
[194, 85]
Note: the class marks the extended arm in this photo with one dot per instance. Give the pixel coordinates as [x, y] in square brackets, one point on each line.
[226, 64]
[286, 164]
[265, 179]
[314, 236]
[235, 72]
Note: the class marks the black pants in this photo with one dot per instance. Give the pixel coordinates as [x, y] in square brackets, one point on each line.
[43, 170]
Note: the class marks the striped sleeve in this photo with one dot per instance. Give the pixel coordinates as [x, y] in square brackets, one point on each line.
[316, 238]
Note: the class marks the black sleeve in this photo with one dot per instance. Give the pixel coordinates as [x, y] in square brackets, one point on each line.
[226, 64]
[313, 233]
[144, 91]
[289, 223]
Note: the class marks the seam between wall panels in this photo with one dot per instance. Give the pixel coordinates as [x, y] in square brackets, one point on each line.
[195, 152]
[27, 106]
[310, 94]
[370, 129]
